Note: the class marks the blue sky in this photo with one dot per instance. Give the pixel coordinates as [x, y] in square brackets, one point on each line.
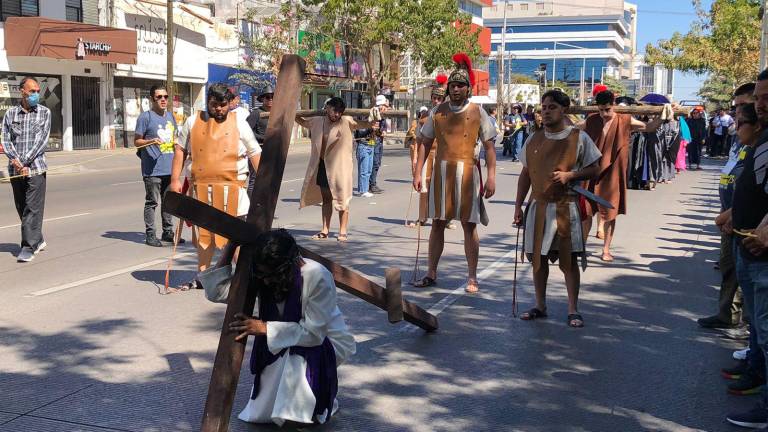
[659, 19]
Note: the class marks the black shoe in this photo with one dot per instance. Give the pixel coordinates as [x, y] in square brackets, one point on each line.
[153, 241]
[168, 237]
[735, 372]
[376, 190]
[714, 322]
[747, 384]
[757, 417]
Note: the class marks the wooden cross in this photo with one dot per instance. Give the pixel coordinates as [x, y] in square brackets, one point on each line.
[229, 356]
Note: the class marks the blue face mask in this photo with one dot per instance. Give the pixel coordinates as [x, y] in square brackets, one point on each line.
[33, 99]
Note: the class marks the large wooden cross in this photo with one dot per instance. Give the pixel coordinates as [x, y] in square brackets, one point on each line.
[229, 356]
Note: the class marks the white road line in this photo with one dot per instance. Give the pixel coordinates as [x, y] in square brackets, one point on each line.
[456, 294]
[125, 183]
[103, 276]
[49, 220]
[293, 180]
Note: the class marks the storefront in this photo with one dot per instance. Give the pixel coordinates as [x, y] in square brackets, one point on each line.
[132, 82]
[69, 60]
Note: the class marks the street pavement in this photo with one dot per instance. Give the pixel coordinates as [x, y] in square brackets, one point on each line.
[88, 343]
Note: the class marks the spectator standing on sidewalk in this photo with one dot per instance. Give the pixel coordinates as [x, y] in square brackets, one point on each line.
[720, 125]
[365, 143]
[518, 124]
[382, 106]
[156, 132]
[259, 125]
[26, 128]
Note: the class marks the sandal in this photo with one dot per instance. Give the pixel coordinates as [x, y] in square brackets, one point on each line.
[532, 314]
[607, 257]
[319, 236]
[575, 320]
[411, 224]
[426, 281]
[191, 285]
[475, 287]
[600, 235]
[342, 238]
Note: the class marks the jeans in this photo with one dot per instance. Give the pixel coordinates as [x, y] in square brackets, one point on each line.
[364, 166]
[378, 152]
[517, 144]
[716, 146]
[729, 302]
[753, 279]
[29, 198]
[155, 188]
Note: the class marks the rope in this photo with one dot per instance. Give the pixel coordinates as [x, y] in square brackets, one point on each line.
[408, 212]
[4, 179]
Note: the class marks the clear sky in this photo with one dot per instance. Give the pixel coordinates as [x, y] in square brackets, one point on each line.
[659, 19]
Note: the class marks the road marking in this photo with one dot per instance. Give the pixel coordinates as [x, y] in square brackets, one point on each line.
[293, 180]
[49, 220]
[456, 294]
[104, 276]
[125, 183]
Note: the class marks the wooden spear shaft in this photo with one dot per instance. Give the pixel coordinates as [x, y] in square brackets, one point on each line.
[355, 112]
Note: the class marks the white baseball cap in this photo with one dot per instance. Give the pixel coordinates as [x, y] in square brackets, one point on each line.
[382, 100]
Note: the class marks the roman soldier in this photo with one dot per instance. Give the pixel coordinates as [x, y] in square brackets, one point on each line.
[455, 189]
[216, 147]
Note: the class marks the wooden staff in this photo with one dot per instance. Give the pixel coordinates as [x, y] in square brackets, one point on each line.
[354, 112]
[649, 110]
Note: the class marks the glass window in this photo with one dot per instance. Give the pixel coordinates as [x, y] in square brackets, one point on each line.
[540, 6]
[74, 10]
[470, 8]
[12, 8]
[568, 70]
[535, 46]
[558, 28]
[524, 6]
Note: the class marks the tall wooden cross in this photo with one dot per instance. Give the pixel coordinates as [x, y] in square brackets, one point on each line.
[229, 356]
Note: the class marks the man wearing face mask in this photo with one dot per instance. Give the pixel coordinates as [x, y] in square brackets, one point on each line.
[26, 128]
[217, 145]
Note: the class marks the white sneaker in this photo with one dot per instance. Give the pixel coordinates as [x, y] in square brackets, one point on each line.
[26, 254]
[740, 354]
[367, 195]
[41, 247]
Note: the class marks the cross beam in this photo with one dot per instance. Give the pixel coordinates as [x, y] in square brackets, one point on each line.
[354, 112]
[633, 109]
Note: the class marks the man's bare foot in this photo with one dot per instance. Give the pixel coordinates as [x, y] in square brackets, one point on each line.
[600, 235]
[472, 286]
[607, 257]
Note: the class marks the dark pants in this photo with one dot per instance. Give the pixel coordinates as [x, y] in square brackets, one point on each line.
[753, 279]
[29, 197]
[694, 152]
[155, 188]
[729, 302]
[716, 147]
[378, 152]
[251, 178]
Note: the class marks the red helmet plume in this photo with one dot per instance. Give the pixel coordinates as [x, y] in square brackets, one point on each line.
[441, 79]
[463, 62]
[599, 89]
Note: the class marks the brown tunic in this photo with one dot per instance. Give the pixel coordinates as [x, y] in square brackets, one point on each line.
[612, 140]
[454, 191]
[214, 148]
[543, 157]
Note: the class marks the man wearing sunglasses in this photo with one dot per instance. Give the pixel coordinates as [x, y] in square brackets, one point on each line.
[155, 136]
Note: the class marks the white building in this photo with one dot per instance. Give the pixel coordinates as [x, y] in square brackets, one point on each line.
[564, 41]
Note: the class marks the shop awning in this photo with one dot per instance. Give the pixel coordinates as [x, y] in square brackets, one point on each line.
[67, 40]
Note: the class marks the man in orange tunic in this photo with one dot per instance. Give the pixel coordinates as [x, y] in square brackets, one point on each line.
[215, 145]
[610, 132]
[456, 190]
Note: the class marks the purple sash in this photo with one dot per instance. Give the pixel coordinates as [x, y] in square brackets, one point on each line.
[321, 359]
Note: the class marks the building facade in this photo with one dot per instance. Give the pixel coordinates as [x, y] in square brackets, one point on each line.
[561, 41]
[62, 45]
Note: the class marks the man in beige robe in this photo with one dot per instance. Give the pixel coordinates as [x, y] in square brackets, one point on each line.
[328, 180]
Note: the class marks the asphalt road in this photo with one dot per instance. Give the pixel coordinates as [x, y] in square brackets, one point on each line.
[87, 343]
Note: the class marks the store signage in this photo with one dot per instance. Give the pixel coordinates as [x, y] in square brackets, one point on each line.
[91, 48]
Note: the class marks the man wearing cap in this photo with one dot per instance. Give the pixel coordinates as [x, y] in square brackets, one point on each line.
[235, 106]
[259, 124]
[382, 106]
[437, 96]
[456, 190]
[698, 127]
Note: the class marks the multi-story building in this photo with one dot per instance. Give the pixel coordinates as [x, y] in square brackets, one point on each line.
[561, 40]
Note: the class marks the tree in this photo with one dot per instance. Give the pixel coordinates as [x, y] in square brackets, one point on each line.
[716, 91]
[614, 85]
[521, 79]
[725, 41]
[382, 31]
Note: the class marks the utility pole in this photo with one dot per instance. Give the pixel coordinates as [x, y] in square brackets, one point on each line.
[169, 55]
[764, 36]
[500, 81]
[554, 62]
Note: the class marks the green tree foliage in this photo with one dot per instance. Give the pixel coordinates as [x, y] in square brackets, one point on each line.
[716, 91]
[521, 79]
[383, 30]
[725, 42]
[614, 85]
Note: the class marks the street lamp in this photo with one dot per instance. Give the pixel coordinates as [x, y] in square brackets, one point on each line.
[583, 66]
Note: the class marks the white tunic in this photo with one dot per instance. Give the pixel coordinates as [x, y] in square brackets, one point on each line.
[284, 392]
[587, 153]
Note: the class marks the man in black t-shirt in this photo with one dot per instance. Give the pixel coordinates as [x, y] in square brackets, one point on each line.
[749, 211]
